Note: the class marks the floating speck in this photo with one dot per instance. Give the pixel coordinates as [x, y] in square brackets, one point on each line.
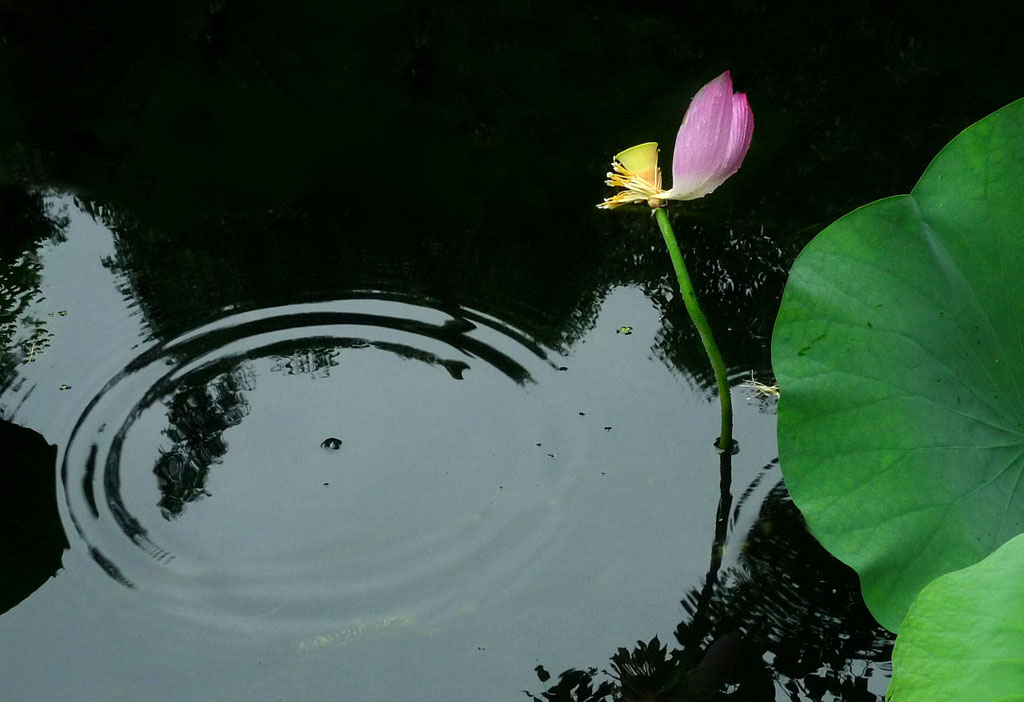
[331, 444]
[64, 386]
[607, 428]
[626, 331]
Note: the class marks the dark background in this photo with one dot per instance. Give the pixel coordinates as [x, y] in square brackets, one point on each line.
[433, 146]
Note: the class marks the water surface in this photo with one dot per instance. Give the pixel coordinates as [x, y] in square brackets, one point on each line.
[491, 501]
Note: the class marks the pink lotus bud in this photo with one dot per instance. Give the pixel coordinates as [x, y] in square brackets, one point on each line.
[712, 140]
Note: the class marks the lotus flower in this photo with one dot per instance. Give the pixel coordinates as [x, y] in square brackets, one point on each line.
[710, 147]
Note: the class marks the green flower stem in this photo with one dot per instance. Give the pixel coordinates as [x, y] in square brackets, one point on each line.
[701, 322]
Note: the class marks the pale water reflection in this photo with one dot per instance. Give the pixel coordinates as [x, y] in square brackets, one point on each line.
[475, 523]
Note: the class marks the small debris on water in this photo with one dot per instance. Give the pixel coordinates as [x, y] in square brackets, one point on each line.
[607, 428]
[64, 386]
[626, 331]
[760, 389]
[331, 444]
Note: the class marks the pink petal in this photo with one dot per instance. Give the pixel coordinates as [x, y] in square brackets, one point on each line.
[712, 141]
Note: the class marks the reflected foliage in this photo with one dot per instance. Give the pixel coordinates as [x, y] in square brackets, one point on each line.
[786, 622]
[197, 418]
[315, 362]
[310, 251]
[27, 221]
[796, 603]
[573, 686]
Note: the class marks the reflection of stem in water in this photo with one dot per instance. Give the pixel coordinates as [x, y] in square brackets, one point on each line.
[701, 322]
[701, 624]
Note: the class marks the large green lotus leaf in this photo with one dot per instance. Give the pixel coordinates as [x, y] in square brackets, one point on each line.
[899, 348]
[963, 638]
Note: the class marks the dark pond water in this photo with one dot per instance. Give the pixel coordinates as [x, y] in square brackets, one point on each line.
[322, 377]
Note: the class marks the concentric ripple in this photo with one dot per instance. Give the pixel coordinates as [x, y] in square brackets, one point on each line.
[350, 461]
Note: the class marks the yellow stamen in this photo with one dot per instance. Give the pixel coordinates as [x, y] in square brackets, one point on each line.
[636, 171]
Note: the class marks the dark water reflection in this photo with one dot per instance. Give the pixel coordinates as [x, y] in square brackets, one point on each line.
[33, 538]
[374, 222]
[784, 622]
